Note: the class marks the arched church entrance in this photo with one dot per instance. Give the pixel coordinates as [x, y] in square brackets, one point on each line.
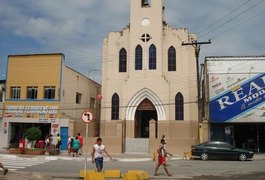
[142, 107]
[145, 112]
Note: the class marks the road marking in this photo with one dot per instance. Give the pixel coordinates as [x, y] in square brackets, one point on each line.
[18, 163]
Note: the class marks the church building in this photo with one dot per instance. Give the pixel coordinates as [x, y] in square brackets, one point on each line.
[149, 85]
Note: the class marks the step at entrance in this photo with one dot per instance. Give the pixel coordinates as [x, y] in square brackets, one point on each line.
[137, 145]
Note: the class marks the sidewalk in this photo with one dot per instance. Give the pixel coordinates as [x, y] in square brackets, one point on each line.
[116, 157]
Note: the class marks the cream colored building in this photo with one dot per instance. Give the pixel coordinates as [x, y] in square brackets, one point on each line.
[149, 84]
[42, 91]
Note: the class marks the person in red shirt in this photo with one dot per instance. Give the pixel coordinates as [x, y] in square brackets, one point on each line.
[81, 140]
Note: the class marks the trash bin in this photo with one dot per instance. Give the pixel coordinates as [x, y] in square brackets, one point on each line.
[40, 144]
[21, 145]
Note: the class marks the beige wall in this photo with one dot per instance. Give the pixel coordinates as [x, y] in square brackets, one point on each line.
[73, 82]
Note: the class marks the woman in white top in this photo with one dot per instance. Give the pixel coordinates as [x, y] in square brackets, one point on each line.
[97, 154]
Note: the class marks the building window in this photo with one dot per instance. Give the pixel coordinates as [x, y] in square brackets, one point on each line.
[122, 60]
[92, 103]
[179, 107]
[152, 57]
[32, 92]
[15, 92]
[115, 107]
[78, 98]
[49, 92]
[138, 57]
[146, 3]
[1, 96]
[171, 59]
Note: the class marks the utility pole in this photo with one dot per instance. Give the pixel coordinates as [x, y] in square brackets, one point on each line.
[197, 47]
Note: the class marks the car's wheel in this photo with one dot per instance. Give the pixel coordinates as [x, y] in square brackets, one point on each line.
[204, 156]
[242, 157]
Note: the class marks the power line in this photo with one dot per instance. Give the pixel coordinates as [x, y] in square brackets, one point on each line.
[237, 25]
[230, 20]
[211, 25]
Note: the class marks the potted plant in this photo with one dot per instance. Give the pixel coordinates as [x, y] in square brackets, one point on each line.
[33, 134]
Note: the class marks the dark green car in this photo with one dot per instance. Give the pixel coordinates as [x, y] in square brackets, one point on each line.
[220, 150]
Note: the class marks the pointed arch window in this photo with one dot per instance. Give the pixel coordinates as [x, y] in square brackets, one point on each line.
[138, 57]
[171, 59]
[115, 101]
[179, 107]
[152, 57]
[122, 60]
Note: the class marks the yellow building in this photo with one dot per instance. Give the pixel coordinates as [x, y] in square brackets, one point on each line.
[42, 91]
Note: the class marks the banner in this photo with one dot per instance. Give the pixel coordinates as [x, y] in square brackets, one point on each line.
[243, 103]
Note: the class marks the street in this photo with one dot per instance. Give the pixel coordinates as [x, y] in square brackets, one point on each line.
[68, 168]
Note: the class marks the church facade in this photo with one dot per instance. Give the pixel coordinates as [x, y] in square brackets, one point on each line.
[149, 85]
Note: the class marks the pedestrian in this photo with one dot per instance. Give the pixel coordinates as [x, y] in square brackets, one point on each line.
[81, 140]
[69, 143]
[164, 137]
[47, 142]
[76, 145]
[4, 169]
[59, 141]
[162, 154]
[97, 154]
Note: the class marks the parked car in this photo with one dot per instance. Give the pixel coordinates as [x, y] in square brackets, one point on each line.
[220, 150]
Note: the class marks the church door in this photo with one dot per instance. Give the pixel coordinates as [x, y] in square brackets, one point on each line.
[144, 113]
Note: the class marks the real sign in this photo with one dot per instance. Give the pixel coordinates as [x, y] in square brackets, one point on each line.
[239, 94]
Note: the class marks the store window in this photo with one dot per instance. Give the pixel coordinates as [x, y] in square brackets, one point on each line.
[78, 98]
[15, 92]
[49, 92]
[115, 107]
[32, 92]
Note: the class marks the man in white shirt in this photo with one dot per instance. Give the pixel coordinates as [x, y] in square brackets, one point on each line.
[97, 154]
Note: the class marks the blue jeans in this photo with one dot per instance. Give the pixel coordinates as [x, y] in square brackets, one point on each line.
[99, 163]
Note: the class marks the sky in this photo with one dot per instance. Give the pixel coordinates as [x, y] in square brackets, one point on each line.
[76, 28]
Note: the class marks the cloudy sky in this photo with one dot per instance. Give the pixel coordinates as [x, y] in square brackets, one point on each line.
[77, 27]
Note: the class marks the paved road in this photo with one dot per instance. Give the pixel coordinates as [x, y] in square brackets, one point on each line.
[19, 163]
[181, 169]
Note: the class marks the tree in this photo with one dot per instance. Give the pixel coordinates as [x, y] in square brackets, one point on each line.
[33, 134]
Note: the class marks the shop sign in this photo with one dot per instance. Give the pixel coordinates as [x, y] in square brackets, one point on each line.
[242, 103]
[31, 109]
[55, 125]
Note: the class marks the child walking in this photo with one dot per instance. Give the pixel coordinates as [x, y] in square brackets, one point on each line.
[97, 154]
[162, 154]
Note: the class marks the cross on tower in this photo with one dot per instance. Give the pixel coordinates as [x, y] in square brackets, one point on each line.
[145, 37]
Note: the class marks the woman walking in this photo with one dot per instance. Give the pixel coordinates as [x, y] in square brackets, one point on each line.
[76, 146]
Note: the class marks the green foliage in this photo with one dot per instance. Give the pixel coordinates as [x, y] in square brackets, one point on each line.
[33, 134]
